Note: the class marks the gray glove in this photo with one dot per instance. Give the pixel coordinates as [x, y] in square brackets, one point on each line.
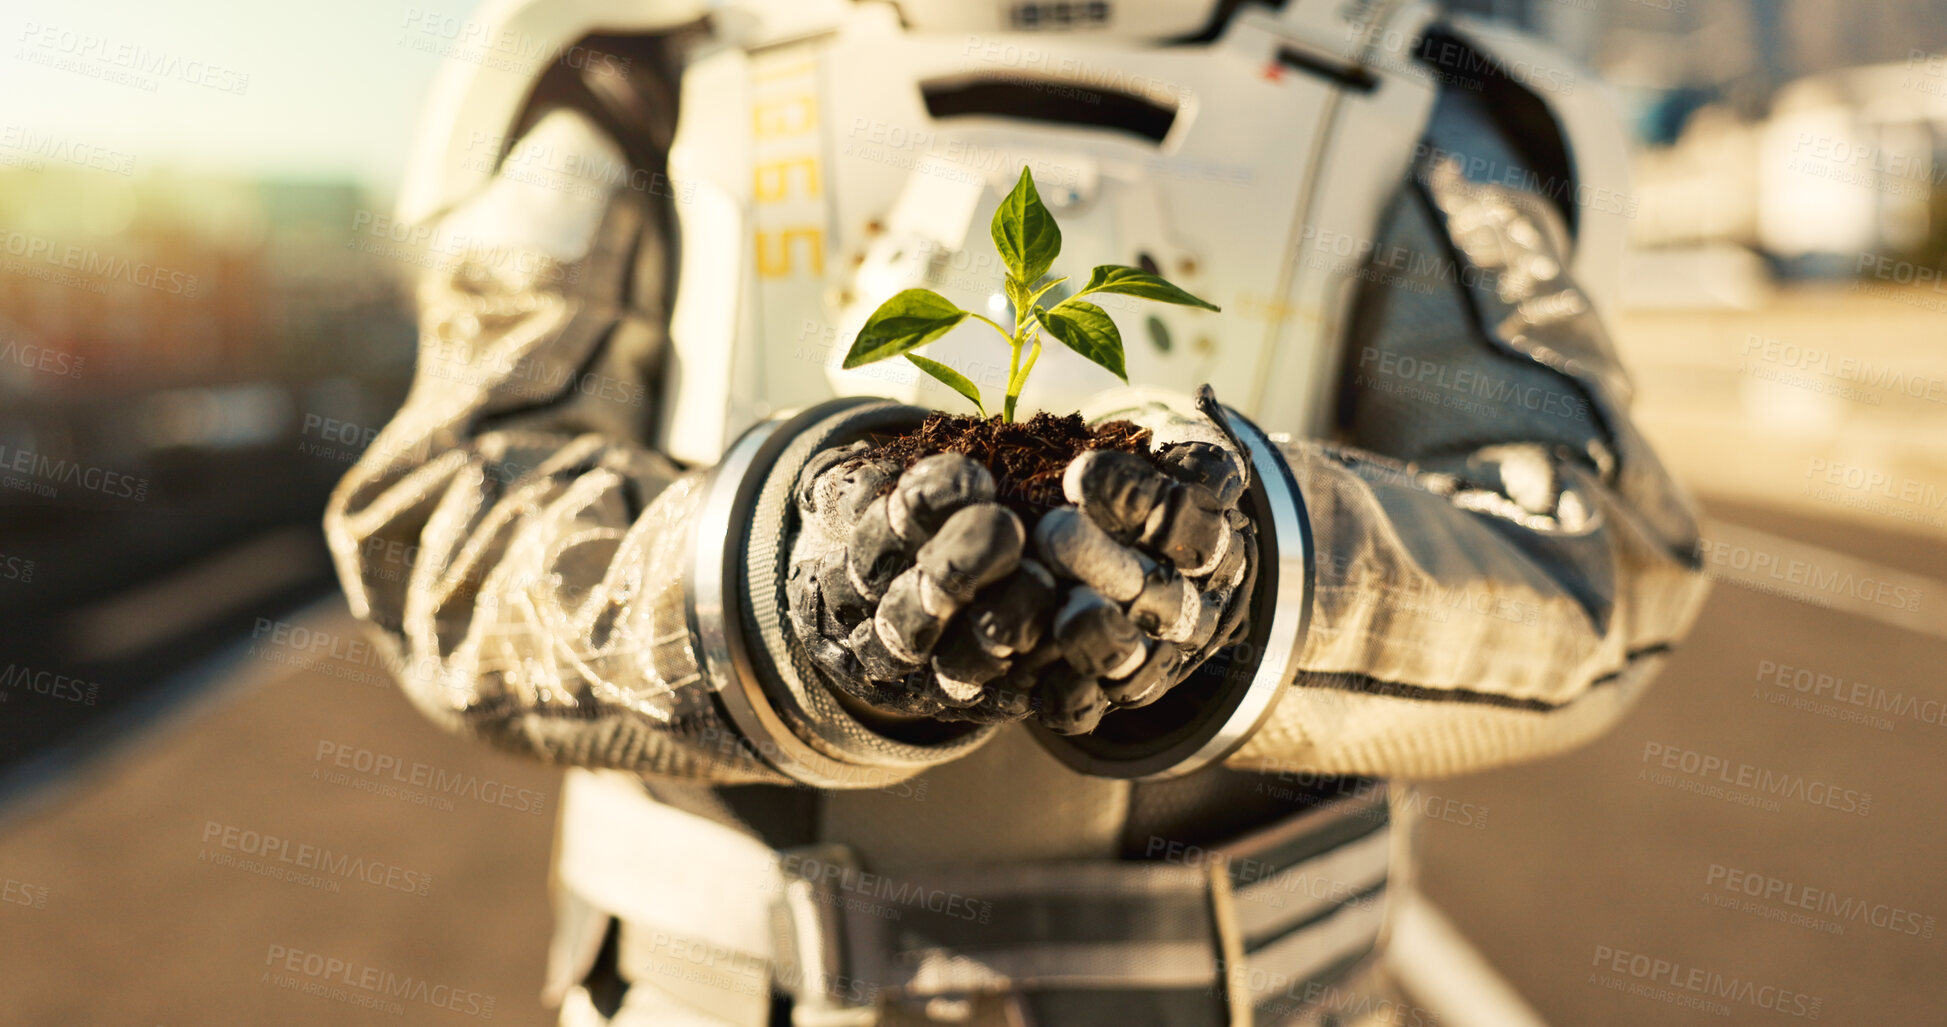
[1158, 559]
[917, 593]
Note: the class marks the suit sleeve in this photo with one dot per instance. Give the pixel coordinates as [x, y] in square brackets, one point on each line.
[1500, 563]
[511, 534]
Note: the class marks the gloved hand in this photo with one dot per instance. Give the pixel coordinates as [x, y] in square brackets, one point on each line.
[918, 593]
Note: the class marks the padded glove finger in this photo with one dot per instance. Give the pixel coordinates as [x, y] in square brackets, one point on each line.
[1147, 684]
[838, 483]
[999, 703]
[1012, 616]
[1096, 637]
[931, 490]
[1202, 463]
[1210, 613]
[875, 554]
[1074, 545]
[837, 662]
[1230, 569]
[963, 666]
[805, 492]
[1191, 531]
[1168, 606]
[1119, 491]
[913, 616]
[843, 606]
[811, 621]
[1018, 688]
[977, 546]
[1071, 702]
[878, 662]
[804, 598]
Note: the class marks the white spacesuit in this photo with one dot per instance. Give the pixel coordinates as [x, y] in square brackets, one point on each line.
[653, 254]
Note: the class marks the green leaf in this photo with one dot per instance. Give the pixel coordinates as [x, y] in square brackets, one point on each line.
[1132, 281]
[951, 379]
[1043, 291]
[907, 321]
[1025, 233]
[1086, 329]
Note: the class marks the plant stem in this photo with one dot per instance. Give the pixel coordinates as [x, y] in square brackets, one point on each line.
[1015, 385]
[1013, 390]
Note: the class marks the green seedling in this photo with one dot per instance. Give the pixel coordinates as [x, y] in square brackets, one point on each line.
[1028, 241]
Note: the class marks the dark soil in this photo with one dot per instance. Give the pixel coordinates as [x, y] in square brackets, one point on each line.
[1026, 457]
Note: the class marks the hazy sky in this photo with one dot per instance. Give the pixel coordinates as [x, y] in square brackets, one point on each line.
[333, 88]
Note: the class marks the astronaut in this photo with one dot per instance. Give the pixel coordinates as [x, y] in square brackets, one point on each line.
[1423, 537]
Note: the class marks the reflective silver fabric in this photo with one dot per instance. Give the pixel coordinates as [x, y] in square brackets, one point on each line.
[1501, 562]
[511, 531]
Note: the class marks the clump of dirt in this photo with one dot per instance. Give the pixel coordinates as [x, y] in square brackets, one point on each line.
[1027, 458]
